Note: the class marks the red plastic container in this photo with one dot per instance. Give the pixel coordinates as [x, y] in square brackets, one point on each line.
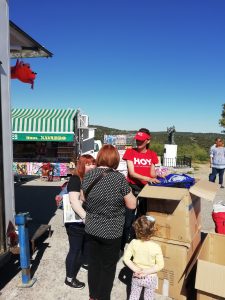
[219, 220]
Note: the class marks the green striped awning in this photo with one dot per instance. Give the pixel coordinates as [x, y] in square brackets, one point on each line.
[43, 124]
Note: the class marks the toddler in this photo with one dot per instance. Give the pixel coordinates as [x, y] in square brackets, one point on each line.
[147, 259]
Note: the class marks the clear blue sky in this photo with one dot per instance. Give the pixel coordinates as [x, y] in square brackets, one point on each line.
[127, 63]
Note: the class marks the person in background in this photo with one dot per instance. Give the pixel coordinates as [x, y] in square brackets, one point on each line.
[147, 259]
[210, 155]
[104, 223]
[214, 145]
[141, 170]
[217, 161]
[78, 248]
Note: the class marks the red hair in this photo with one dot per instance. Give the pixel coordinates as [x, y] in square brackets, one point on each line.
[108, 156]
[82, 161]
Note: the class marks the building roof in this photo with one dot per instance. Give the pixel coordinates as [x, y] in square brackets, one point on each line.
[23, 45]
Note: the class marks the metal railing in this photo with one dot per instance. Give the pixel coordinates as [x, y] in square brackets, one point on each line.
[178, 162]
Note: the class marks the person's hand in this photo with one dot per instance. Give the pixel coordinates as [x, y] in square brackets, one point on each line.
[143, 273]
[136, 270]
[140, 274]
[84, 219]
[58, 198]
[154, 180]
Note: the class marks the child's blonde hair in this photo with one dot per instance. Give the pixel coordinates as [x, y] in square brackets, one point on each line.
[144, 227]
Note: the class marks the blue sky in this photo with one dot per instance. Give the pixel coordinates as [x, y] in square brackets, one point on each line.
[127, 63]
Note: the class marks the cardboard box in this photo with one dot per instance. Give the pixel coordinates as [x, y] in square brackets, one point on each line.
[210, 276]
[177, 210]
[177, 256]
[206, 296]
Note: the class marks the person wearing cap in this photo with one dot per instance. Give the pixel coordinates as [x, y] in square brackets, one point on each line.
[141, 170]
[141, 160]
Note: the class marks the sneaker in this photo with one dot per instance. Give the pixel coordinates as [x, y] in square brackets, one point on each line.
[84, 268]
[222, 187]
[75, 283]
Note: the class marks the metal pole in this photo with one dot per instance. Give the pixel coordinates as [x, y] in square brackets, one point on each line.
[22, 220]
[6, 179]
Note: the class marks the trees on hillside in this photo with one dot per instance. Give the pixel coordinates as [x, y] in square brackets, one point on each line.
[222, 120]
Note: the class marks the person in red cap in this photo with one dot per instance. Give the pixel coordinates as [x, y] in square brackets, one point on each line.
[141, 170]
[141, 161]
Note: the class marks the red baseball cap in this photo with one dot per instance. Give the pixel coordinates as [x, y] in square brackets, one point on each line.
[142, 136]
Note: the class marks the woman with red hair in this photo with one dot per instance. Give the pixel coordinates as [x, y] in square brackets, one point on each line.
[75, 231]
[105, 215]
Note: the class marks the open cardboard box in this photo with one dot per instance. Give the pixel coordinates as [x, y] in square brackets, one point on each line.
[210, 275]
[177, 257]
[177, 210]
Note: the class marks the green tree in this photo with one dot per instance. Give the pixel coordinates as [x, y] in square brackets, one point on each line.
[222, 120]
[158, 148]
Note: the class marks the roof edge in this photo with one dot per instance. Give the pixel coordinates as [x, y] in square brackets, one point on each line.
[48, 53]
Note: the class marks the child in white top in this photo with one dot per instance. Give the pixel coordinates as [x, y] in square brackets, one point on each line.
[147, 259]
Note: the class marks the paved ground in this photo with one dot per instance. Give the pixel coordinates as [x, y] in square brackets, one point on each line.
[47, 263]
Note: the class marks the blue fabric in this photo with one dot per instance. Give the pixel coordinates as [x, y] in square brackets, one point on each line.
[176, 180]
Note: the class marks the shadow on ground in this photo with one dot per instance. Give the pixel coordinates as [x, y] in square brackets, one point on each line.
[12, 267]
[39, 202]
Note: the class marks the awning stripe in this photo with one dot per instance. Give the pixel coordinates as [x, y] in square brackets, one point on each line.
[43, 120]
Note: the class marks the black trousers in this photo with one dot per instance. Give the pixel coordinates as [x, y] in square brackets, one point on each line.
[103, 257]
[78, 249]
[215, 171]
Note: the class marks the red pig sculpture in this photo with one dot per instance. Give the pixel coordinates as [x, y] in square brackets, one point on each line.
[23, 72]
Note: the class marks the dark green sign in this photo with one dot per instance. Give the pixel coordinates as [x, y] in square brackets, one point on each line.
[43, 137]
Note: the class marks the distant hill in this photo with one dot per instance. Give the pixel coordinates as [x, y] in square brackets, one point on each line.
[203, 140]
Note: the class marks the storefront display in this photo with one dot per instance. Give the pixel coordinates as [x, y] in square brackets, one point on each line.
[45, 141]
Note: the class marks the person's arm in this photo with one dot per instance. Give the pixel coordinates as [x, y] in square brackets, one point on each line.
[133, 174]
[211, 154]
[130, 201]
[159, 265]
[82, 198]
[59, 197]
[76, 204]
[153, 172]
[127, 259]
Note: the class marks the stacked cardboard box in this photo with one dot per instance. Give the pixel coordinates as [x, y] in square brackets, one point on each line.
[210, 273]
[178, 218]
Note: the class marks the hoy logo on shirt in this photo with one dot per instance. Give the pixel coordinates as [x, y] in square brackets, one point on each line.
[142, 161]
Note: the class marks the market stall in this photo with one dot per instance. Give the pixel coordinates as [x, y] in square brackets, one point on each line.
[46, 140]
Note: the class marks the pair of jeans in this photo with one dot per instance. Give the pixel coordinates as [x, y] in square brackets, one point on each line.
[215, 171]
[78, 248]
[103, 257]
